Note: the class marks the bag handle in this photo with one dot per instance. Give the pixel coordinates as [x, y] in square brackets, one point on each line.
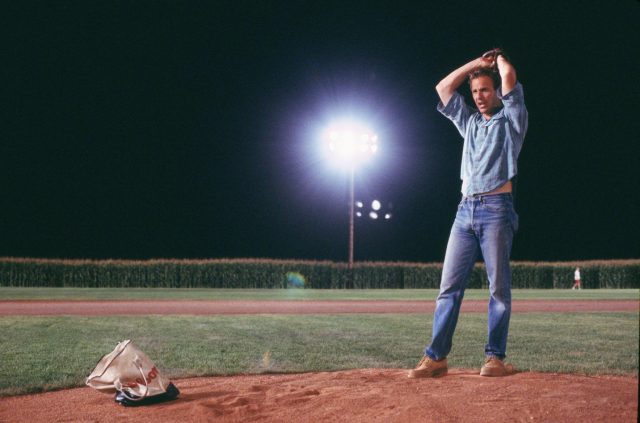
[136, 362]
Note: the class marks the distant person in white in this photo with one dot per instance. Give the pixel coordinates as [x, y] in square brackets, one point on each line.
[577, 284]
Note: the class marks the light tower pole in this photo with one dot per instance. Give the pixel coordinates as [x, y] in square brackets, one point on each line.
[351, 144]
[352, 202]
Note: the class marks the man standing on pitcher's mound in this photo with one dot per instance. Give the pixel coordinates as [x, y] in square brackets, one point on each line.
[486, 219]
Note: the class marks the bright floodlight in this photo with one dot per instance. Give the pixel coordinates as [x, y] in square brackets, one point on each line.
[376, 205]
[350, 143]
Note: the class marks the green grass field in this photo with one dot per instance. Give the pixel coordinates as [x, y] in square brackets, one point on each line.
[44, 353]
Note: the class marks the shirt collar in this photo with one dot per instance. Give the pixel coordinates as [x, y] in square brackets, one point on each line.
[482, 121]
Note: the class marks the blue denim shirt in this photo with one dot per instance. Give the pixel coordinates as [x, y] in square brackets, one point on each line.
[491, 147]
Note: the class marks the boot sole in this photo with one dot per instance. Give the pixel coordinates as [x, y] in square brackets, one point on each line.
[492, 372]
[436, 373]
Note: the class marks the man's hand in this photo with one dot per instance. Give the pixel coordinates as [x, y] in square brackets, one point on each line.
[487, 62]
[491, 56]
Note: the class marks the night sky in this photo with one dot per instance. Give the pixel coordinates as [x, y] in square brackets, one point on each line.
[181, 129]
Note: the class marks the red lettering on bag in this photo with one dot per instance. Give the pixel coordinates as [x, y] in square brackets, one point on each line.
[129, 385]
[153, 373]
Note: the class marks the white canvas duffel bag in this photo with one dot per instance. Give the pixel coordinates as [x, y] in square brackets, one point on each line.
[130, 374]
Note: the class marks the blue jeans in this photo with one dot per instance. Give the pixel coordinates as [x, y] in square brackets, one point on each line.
[483, 224]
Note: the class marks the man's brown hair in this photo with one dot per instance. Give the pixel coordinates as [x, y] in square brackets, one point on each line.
[495, 76]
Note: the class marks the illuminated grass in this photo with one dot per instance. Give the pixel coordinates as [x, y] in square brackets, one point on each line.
[43, 353]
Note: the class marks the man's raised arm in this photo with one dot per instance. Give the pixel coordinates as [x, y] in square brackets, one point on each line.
[507, 74]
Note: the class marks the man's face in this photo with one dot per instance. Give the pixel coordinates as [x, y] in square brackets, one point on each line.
[484, 95]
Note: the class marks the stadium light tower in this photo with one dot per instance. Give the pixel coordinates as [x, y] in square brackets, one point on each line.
[350, 144]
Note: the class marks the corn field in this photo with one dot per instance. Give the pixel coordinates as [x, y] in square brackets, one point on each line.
[268, 273]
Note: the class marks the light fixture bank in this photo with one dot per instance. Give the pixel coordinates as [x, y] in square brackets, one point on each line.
[350, 143]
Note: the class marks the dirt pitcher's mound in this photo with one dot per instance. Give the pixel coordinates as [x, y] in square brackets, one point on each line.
[353, 396]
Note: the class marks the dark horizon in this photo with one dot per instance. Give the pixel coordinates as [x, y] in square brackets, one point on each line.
[159, 130]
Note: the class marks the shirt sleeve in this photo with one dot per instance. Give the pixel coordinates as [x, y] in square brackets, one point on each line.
[515, 110]
[457, 111]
